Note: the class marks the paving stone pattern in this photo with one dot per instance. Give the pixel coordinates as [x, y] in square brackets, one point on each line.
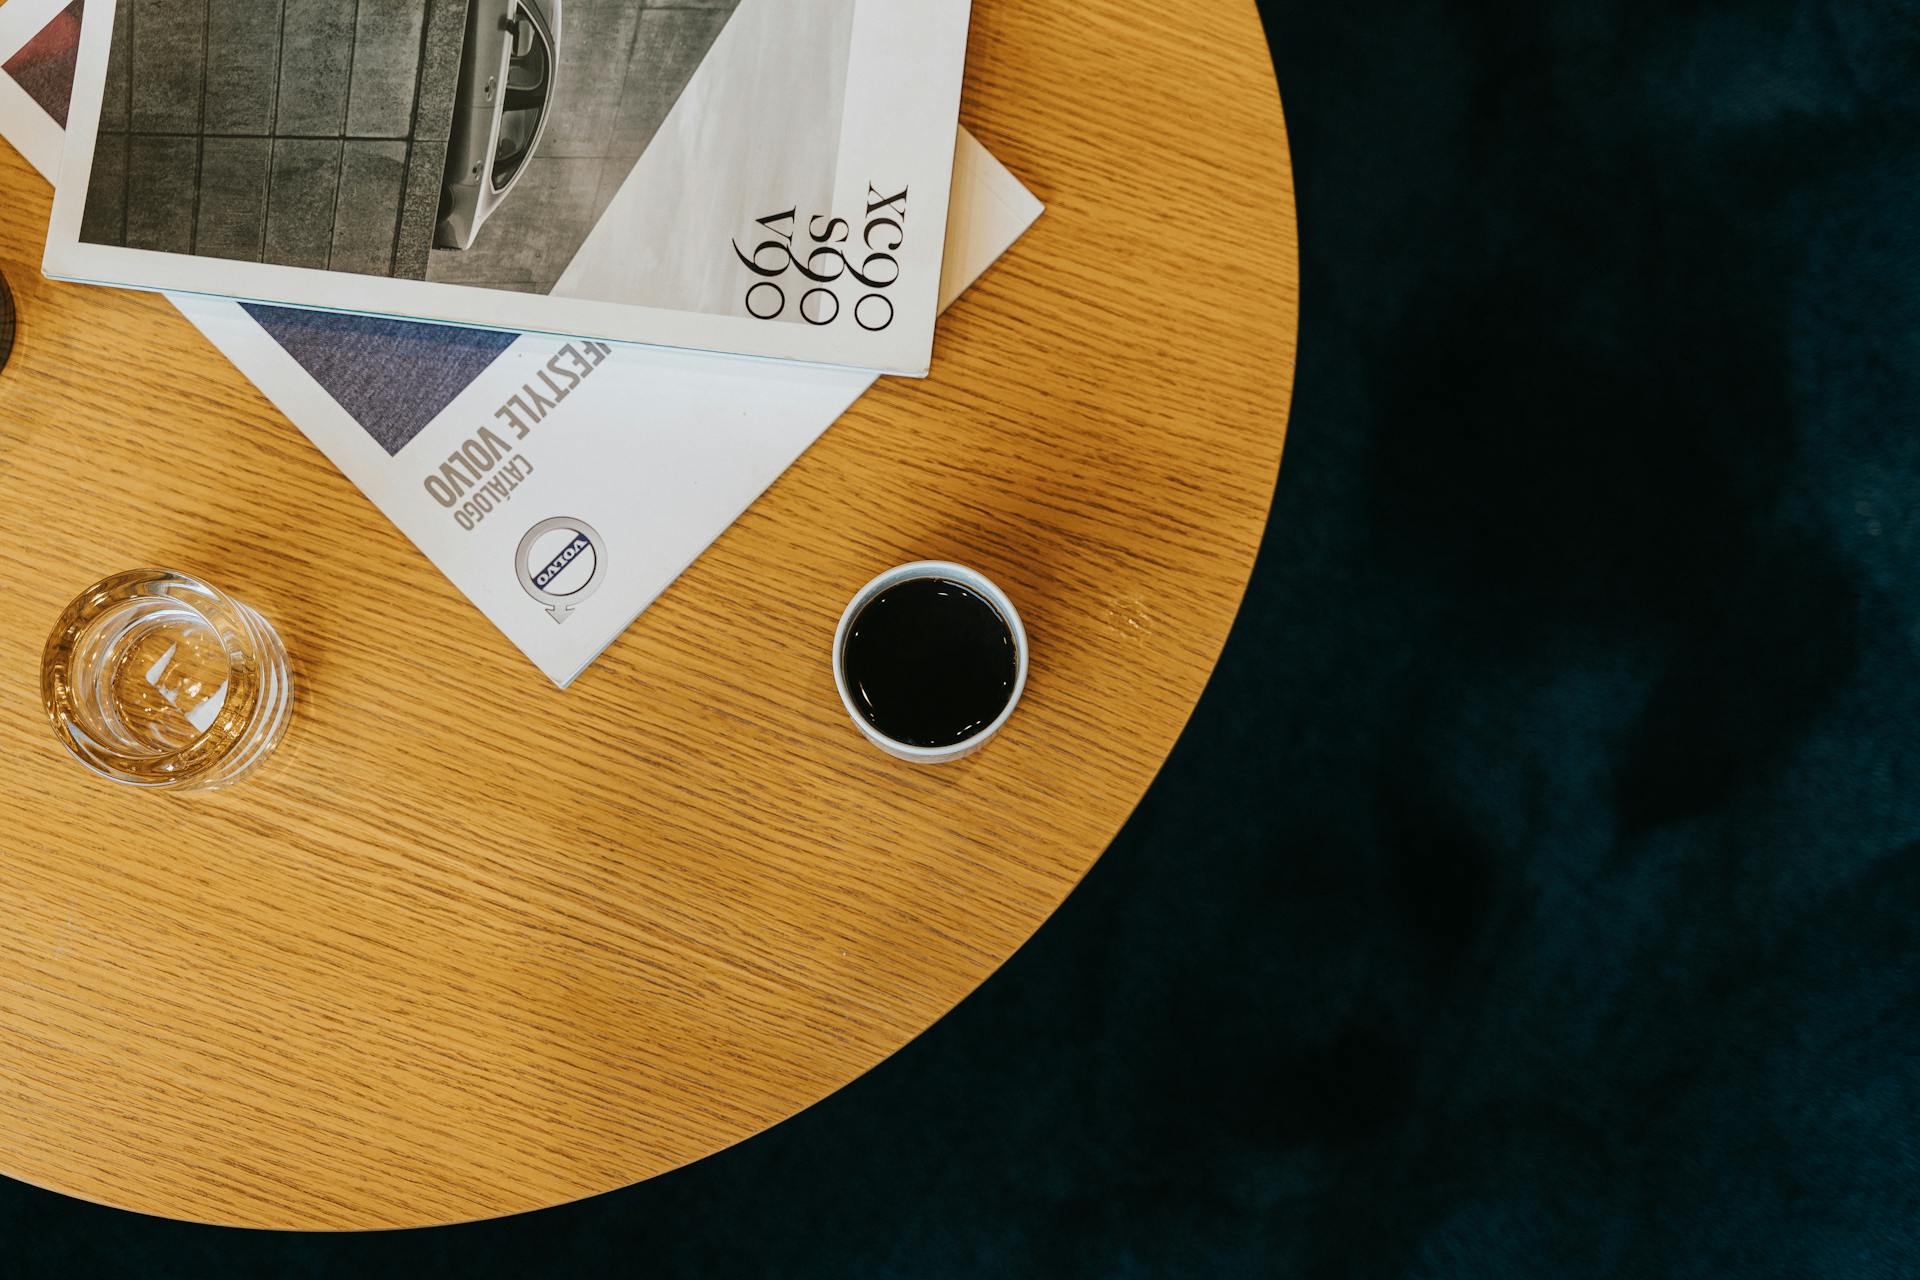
[307, 133]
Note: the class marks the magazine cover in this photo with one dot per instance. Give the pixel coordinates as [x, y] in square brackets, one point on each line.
[600, 491]
[752, 177]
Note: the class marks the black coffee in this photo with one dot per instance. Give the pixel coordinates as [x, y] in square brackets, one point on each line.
[929, 662]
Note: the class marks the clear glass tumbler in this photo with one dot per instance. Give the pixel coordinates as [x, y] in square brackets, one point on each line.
[156, 679]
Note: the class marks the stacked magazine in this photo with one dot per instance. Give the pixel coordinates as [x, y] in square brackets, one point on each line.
[756, 177]
[489, 202]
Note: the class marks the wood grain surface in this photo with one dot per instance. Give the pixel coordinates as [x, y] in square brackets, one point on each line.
[471, 945]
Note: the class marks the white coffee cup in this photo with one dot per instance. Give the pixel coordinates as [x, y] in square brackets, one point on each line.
[980, 585]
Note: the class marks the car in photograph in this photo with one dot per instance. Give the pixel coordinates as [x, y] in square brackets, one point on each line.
[509, 73]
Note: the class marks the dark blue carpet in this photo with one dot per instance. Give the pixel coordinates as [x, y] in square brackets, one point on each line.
[1537, 890]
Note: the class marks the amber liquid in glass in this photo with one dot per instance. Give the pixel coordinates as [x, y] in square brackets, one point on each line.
[151, 675]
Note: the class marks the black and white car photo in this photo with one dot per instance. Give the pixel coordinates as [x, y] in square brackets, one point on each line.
[508, 82]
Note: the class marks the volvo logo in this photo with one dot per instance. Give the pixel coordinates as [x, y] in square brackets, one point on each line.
[560, 562]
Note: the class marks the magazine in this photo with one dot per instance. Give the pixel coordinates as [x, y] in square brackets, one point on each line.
[753, 177]
[618, 484]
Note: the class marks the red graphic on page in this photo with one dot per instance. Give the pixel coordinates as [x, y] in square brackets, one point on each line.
[44, 65]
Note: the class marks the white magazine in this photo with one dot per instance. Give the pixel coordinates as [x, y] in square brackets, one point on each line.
[756, 177]
[560, 484]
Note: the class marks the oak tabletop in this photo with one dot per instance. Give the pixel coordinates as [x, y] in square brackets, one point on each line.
[471, 945]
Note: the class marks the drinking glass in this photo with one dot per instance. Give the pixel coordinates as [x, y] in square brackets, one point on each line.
[156, 679]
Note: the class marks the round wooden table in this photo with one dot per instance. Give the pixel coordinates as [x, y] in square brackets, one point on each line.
[472, 945]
